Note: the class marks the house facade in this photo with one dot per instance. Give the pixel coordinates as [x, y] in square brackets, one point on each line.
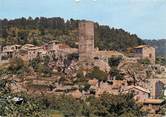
[145, 52]
[139, 92]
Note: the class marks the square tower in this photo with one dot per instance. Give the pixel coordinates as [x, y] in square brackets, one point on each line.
[86, 42]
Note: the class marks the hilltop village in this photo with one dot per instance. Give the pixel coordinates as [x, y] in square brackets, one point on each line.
[56, 68]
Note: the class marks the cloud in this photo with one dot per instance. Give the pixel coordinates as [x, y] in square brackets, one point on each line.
[80, 0]
[77, 0]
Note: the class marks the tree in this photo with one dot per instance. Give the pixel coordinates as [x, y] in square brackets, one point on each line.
[161, 60]
[17, 66]
[69, 106]
[120, 104]
[114, 61]
[3, 88]
[98, 74]
[106, 38]
[84, 86]
[115, 73]
[23, 37]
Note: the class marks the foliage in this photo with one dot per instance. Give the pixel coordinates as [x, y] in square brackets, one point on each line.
[114, 61]
[41, 66]
[41, 30]
[3, 88]
[80, 74]
[115, 73]
[98, 74]
[67, 105]
[73, 56]
[114, 105]
[23, 37]
[107, 38]
[17, 66]
[41, 106]
[29, 107]
[144, 61]
[44, 70]
[84, 86]
[161, 60]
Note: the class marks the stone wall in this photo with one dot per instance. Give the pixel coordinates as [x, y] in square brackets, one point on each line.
[86, 42]
[149, 52]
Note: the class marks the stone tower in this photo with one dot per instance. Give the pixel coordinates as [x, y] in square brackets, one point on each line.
[86, 42]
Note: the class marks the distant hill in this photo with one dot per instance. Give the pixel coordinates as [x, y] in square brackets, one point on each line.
[160, 46]
[41, 30]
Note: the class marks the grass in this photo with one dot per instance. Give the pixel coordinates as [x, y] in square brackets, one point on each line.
[54, 113]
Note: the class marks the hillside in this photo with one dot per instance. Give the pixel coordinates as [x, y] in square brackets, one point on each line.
[160, 46]
[40, 30]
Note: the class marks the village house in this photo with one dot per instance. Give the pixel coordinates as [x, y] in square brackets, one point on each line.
[9, 52]
[29, 52]
[152, 106]
[157, 87]
[59, 49]
[34, 52]
[27, 46]
[139, 92]
[113, 87]
[52, 45]
[11, 47]
[145, 52]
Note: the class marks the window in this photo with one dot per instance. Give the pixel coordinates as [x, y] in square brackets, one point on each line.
[150, 55]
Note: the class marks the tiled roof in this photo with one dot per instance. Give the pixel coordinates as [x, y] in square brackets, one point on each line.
[76, 94]
[137, 87]
[63, 46]
[142, 46]
[153, 101]
[29, 45]
[34, 48]
[54, 41]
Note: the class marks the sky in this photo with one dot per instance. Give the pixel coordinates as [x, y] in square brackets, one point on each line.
[146, 18]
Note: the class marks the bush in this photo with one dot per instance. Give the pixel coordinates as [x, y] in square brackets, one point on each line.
[114, 61]
[161, 60]
[115, 73]
[98, 74]
[106, 105]
[17, 66]
[144, 61]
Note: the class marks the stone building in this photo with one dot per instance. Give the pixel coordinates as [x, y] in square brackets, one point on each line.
[86, 43]
[8, 52]
[60, 49]
[52, 45]
[140, 93]
[153, 106]
[88, 55]
[145, 52]
[34, 52]
[156, 86]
